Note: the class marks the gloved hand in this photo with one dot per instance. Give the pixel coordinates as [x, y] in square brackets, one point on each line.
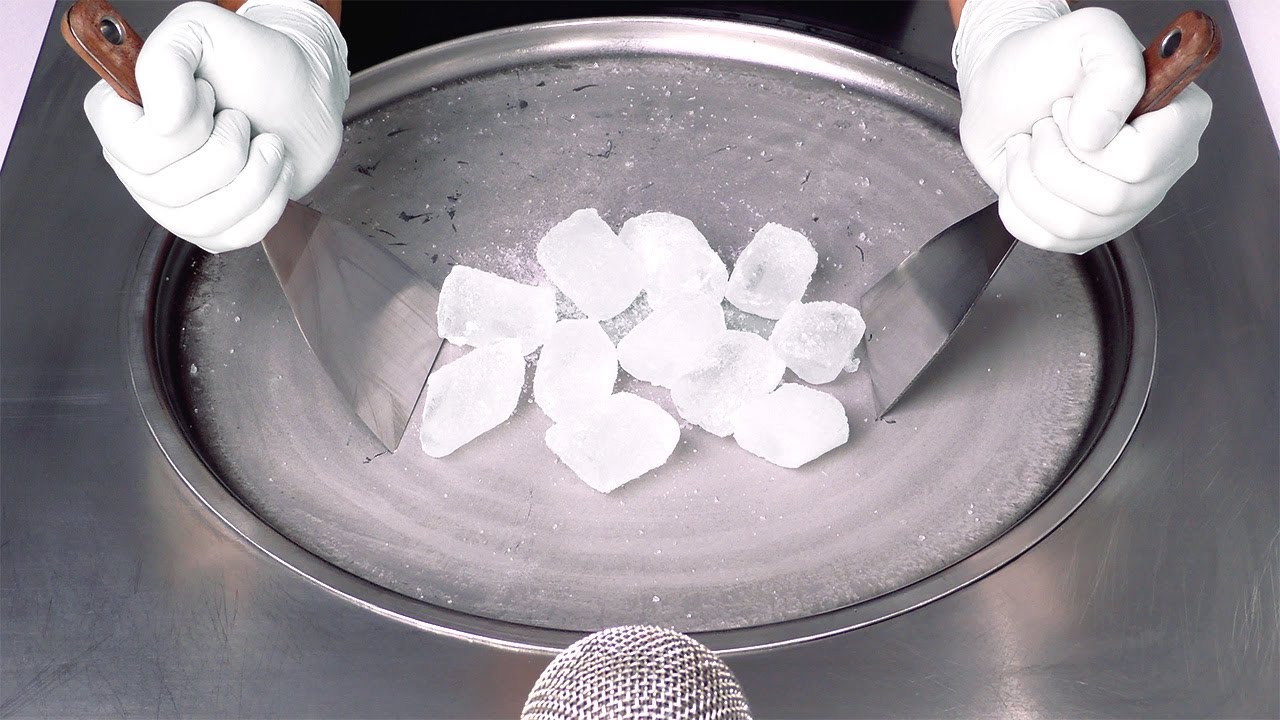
[242, 112]
[1045, 93]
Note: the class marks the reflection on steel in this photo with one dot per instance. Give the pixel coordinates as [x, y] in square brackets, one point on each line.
[1019, 447]
[913, 311]
[369, 319]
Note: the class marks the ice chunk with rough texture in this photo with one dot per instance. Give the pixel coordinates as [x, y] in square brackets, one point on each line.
[791, 425]
[590, 265]
[471, 396]
[576, 369]
[665, 345]
[772, 272]
[676, 258]
[617, 440]
[477, 308]
[817, 339]
[737, 367]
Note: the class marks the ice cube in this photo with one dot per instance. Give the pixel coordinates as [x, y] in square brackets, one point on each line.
[665, 345]
[590, 265]
[471, 396]
[737, 367]
[617, 440]
[477, 308]
[791, 425]
[676, 258]
[772, 272]
[817, 339]
[576, 369]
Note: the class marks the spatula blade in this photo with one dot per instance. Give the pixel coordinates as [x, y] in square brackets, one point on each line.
[367, 316]
[912, 312]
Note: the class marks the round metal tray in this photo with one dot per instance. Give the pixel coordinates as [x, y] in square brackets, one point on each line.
[467, 153]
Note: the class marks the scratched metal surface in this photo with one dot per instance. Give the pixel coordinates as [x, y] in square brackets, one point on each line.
[473, 168]
[120, 595]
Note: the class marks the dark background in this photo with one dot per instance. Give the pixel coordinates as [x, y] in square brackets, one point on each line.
[378, 30]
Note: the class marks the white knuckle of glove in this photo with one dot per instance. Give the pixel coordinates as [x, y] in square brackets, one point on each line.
[241, 113]
[1045, 93]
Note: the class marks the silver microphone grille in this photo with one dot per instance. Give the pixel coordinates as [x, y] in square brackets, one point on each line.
[636, 672]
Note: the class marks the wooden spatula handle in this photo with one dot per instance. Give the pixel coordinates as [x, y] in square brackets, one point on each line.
[106, 42]
[1178, 54]
[109, 45]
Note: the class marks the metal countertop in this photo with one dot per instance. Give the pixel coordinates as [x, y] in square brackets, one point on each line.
[121, 595]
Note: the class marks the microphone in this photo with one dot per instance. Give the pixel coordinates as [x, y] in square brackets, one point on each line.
[636, 672]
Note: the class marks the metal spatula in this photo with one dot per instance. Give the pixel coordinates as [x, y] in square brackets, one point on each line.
[368, 318]
[914, 310]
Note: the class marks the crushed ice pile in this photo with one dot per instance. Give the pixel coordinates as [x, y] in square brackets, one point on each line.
[724, 381]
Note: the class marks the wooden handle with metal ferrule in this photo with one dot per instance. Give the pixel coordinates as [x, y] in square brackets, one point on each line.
[1178, 54]
[109, 45]
[102, 38]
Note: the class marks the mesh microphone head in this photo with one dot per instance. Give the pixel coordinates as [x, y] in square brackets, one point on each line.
[636, 672]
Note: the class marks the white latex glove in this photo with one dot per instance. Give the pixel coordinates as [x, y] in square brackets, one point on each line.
[1045, 93]
[243, 111]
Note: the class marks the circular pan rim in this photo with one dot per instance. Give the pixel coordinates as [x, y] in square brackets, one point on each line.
[163, 256]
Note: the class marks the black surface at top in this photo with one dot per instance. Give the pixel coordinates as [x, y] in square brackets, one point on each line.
[378, 30]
